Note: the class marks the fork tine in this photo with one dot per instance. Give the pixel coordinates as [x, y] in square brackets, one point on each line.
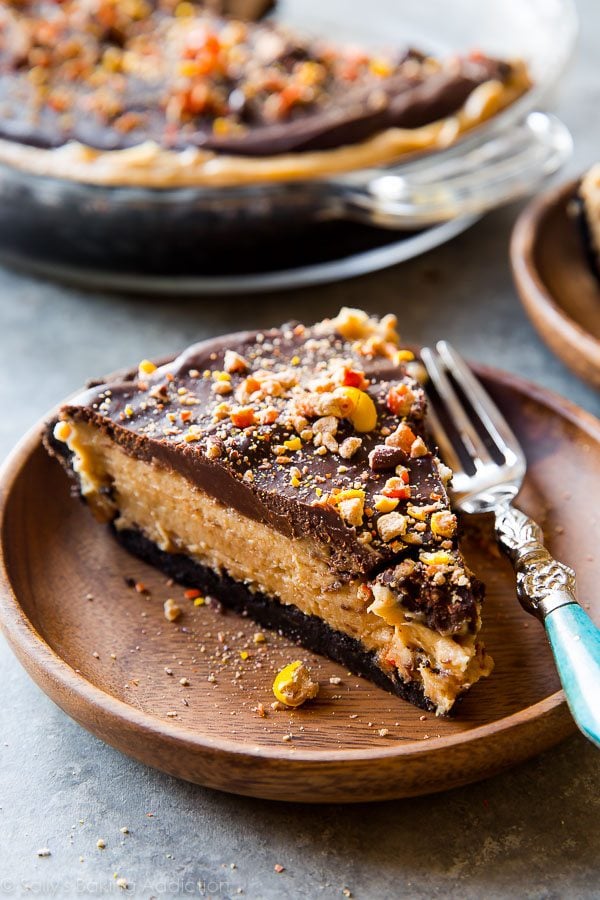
[489, 414]
[440, 435]
[473, 444]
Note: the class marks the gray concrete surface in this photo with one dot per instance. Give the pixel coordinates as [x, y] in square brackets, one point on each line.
[534, 832]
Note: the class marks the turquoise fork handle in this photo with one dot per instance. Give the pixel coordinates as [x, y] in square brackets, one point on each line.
[575, 642]
[546, 589]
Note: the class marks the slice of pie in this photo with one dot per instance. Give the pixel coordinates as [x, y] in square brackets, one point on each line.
[170, 93]
[288, 473]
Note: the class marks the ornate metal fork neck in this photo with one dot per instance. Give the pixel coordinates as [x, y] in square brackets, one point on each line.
[543, 583]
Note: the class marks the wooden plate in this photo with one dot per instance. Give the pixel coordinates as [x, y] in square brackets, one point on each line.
[107, 661]
[557, 286]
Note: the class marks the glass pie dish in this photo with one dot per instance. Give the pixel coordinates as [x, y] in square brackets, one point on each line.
[178, 231]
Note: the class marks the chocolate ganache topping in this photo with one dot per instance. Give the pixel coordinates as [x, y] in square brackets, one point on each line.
[316, 431]
[113, 75]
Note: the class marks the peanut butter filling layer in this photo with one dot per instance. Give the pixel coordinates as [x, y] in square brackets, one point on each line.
[180, 518]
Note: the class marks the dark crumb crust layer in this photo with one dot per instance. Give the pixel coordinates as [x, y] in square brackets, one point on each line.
[310, 632]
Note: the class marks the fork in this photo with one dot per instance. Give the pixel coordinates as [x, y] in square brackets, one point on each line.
[545, 587]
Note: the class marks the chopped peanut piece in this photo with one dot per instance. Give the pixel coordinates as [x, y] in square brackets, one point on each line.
[349, 447]
[325, 425]
[221, 388]
[172, 610]
[348, 494]
[445, 472]
[357, 325]
[329, 442]
[214, 448]
[420, 512]
[418, 448]
[352, 324]
[351, 511]
[268, 416]
[325, 404]
[300, 424]
[391, 526]
[402, 437]
[396, 487]
[234, 362]
[400, 399]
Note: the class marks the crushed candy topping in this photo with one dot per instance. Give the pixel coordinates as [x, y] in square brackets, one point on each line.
[327, 415]
[122, 72]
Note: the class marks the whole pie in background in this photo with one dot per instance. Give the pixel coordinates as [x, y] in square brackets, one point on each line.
[173, 93]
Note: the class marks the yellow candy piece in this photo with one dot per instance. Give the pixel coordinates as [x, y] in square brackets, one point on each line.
[385, 504]
[380, 67]
[437, 558]
[349, 494]
[184, 10]
[283, 680]
[293, 685]
[363, 414]
[62, 431]
[146, 367]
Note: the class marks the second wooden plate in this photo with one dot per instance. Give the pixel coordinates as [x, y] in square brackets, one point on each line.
[193, 697]
[559, 290]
